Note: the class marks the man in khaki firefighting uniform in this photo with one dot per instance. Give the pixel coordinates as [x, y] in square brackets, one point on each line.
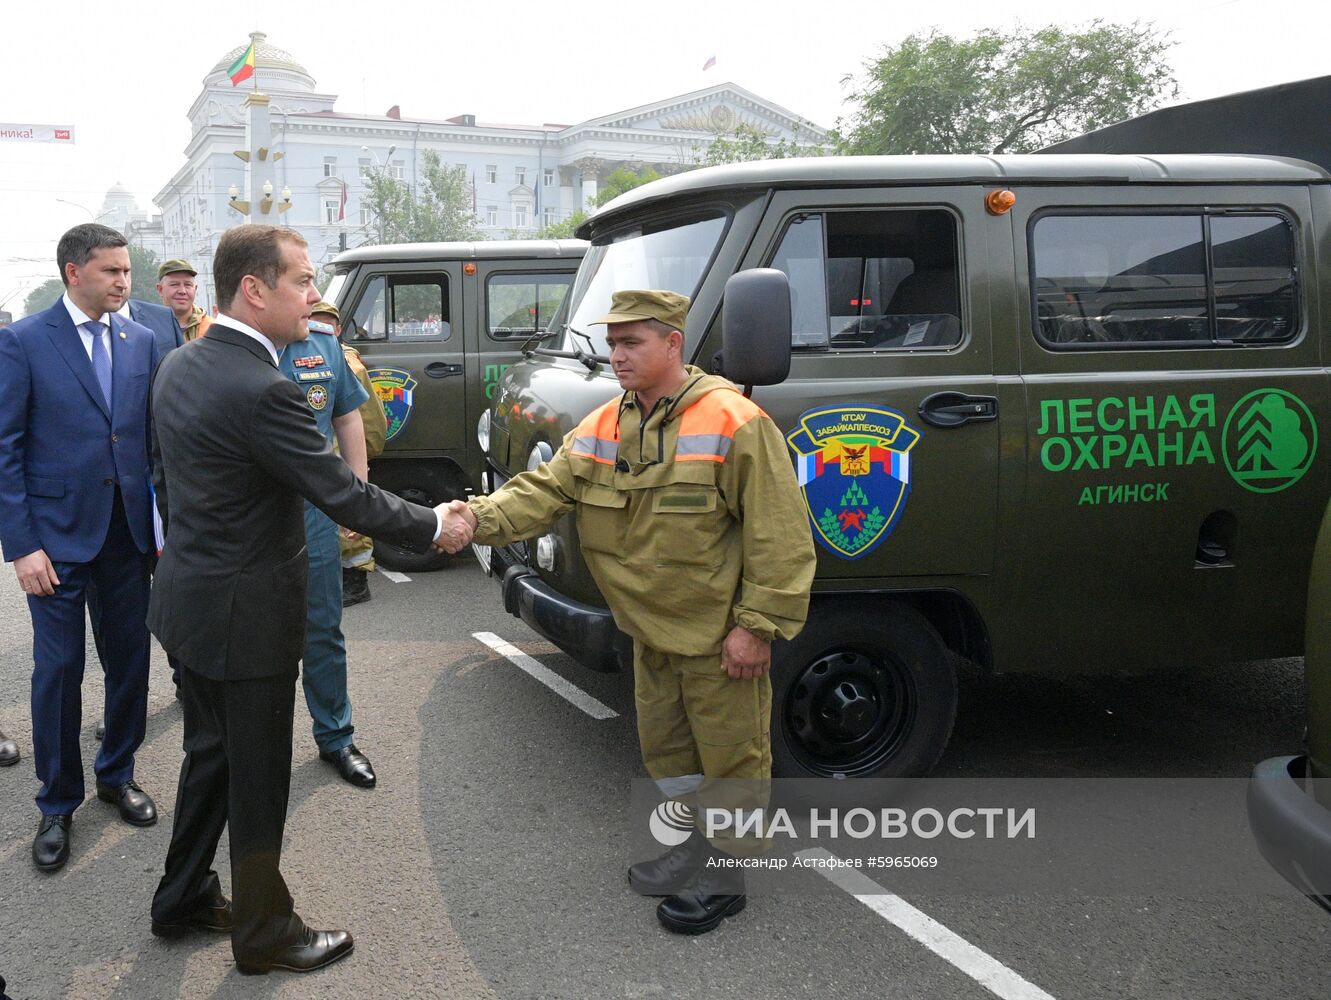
[357, 551]
[176, 287]
[692, 525]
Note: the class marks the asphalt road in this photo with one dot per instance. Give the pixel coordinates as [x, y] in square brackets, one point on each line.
[489, 861]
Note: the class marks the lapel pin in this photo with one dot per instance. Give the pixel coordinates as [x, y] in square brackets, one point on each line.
[122, 335]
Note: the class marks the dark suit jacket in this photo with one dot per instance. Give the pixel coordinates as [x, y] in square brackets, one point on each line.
[62, 451]
[161, 321]
[235, 449]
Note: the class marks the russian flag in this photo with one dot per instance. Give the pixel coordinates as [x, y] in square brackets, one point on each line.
[711, 61]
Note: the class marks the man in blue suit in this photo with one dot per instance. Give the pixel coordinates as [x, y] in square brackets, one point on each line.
[74, 512]
[166, 331]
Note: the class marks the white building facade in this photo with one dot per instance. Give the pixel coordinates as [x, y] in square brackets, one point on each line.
[522, 177]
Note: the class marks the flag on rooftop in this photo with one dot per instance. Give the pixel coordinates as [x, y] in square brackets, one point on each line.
[711, 61]
[243, 68]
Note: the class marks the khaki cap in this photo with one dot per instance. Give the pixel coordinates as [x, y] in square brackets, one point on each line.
[175, 265]
[636, 304]
[327, 308]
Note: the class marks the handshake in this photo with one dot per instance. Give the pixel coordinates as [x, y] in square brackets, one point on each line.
[457, 525]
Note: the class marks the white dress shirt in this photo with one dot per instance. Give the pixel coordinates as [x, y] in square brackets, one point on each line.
[249, 331]
[79, 318]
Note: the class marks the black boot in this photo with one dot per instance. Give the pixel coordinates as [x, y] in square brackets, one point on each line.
[713, 895]
[355, 587]
[672, 870]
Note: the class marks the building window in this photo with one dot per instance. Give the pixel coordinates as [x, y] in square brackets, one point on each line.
[491, 173]
[521, 216]
[520, 175]
[330, 166]
[331, 206]
[365, 167]
[548, 177]
[366, 216]
[491, 215]
[397, 169]
[548, 217]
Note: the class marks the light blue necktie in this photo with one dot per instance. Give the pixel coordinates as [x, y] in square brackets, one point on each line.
[101, 359]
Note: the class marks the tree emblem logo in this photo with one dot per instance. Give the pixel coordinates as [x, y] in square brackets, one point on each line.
[1270, 440]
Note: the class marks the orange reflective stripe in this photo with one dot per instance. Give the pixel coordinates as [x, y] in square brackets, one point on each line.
[597, 436]
[709, 425]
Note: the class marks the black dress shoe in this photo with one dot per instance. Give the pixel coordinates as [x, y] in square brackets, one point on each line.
[704, 903]
[50, 848]
[313, 951]
[8, 751]
[135, 805]
[672, 870]
[355, 587]
[353, 765]
[100, 732]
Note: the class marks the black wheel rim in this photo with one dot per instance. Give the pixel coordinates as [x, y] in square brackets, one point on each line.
[415, 496]
[848, 711]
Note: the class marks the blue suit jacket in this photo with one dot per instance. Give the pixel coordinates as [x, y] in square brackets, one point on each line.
[61, 450]
[161, 321]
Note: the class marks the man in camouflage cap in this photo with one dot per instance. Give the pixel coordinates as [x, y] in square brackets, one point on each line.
[176, 287]
[693, 527]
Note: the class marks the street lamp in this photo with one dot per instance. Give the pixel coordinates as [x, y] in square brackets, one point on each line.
[91, 217]
[381, 164]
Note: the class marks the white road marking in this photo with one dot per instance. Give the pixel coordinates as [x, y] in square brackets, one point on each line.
[395, 577]
[569, 692]
[986, 970]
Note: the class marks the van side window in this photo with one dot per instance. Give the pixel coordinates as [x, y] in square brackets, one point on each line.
[408, 307]
[518, 305]
[1137, 279]
[876, 281]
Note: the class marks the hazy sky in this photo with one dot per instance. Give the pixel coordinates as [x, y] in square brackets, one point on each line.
[125, 75]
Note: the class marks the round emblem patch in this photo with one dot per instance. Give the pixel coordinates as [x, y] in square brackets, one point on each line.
[317, 397]
[1270, 440]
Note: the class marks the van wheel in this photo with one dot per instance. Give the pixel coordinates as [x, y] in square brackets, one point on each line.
[418, 486]
[867, 690]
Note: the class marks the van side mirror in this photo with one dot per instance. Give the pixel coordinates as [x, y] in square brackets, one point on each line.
[755, 327]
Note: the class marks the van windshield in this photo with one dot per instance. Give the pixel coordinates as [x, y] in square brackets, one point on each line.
[669, 257]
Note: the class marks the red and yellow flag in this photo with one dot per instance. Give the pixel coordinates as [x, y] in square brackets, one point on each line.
[243, 68]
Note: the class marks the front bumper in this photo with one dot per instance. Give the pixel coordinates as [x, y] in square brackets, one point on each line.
[584, 632]
[1292, 830]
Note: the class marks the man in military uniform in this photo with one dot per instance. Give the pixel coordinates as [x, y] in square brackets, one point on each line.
[692, 525]
[357, 551]
[332, 393]
[176, 288]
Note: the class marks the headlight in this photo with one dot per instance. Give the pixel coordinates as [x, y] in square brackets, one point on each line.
[483, 430]
[539, 454]
[546, 548]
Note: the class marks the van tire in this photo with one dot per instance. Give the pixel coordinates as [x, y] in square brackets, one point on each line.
[420, 486]
[866, 690]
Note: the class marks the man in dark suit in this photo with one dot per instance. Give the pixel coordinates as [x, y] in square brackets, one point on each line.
[74, 513]
[237, 449]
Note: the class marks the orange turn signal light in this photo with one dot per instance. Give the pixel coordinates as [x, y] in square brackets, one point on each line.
[468, 268]
[999, 202]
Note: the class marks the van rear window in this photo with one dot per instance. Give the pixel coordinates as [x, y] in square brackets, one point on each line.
[880, 281]
[1163, 280]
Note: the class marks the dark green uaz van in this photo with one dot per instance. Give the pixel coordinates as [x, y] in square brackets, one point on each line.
[437, 324]
[1051, 413]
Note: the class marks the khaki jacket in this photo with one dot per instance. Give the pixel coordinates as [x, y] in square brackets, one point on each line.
[372, 414]
[690, 521]
[198, 324]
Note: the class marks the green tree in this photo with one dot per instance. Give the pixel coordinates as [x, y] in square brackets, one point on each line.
[748, 143]
[142, 274]
[441, 210]
[1005, 93]
[43, 296]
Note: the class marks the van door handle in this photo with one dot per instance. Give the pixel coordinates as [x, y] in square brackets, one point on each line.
[952, 409]
[441, 369]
